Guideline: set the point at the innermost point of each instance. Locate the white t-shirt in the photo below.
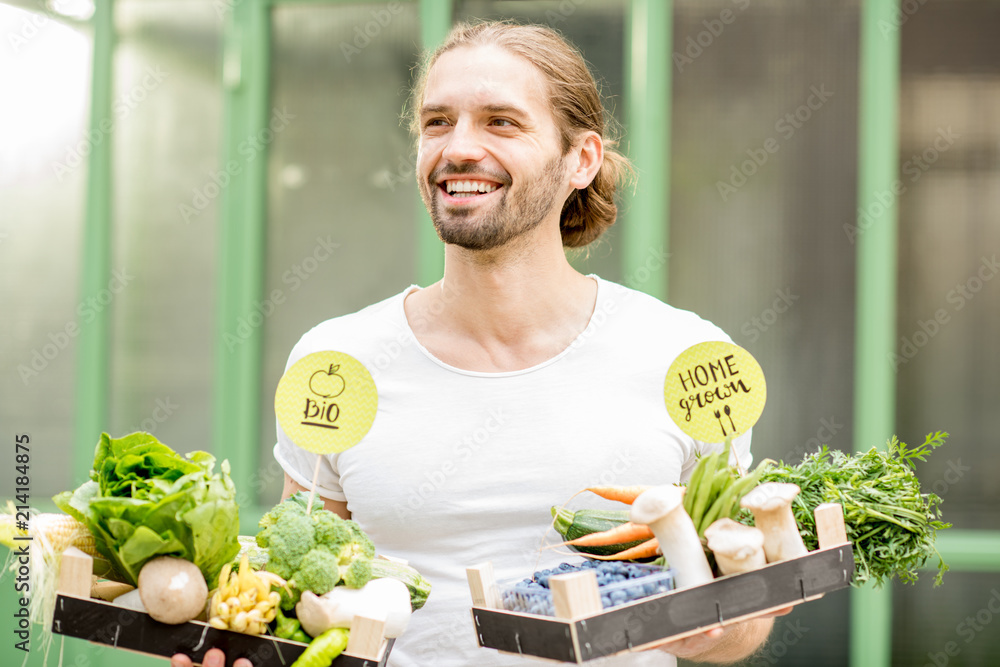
(462, 467)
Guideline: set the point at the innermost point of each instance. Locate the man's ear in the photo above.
(588, 151)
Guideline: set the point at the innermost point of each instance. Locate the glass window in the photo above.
(763, 178)
(342, 192)
(166, 139)
(949, 309)
(45, 75)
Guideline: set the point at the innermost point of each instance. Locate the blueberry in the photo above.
(605, 601)
(618, 597)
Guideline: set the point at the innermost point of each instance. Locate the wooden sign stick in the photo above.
(312, 487)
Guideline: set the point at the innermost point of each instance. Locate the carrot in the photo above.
(647, 549)
(627, 532)
(624, 494)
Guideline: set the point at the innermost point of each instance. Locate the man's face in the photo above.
(489, 165)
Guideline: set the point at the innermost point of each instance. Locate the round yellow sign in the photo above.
(714, 390)
(326, 402)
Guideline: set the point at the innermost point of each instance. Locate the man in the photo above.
(515, 381)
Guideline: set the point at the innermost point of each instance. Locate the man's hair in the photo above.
(576, 104)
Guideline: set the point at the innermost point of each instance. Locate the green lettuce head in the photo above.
(145, 500)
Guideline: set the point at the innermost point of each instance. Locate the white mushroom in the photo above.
(737, 548)
(662, 509)
(173, 590)
(771, 505)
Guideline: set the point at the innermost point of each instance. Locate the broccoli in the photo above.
(357, 573)
(361, 545)
(319, 572)
(314, 551)
(331, 529)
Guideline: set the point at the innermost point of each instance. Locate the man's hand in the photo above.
(213, 658)
(727, 644)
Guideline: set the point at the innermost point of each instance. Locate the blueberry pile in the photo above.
(617, 583)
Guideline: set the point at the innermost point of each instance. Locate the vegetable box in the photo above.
(582, 631)
(78, 614)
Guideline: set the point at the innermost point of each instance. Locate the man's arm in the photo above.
(336, 506)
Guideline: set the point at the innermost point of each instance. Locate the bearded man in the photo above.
(515, 380)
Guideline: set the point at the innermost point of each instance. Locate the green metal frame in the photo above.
(93, 357)
(242, 241)
(243, 228)
(875, 325)
(648, 44)
(435, 21)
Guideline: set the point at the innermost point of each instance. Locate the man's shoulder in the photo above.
(357, 333)
(645, 315)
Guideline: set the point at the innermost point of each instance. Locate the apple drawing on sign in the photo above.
(327, 383)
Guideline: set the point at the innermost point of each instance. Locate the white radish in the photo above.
(172, 590)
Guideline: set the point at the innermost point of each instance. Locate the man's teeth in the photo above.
(469, 188)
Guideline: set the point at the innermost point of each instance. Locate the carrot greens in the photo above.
(891, 524)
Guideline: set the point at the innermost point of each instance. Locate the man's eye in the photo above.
(436, 122)
(502, 122)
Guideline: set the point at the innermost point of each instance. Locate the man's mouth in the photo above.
(467, 189)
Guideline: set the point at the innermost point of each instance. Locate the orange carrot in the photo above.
(627, 532)
(647, 549)
(624, 494)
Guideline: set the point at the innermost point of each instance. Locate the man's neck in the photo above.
(504, 310)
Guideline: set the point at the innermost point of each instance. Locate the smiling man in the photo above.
(515, 380)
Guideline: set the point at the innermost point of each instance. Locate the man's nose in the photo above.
(464, 144)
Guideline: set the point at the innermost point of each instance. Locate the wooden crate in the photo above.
(582, 631)
(77, 614)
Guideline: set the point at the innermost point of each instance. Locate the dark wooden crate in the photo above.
(81, 616)
(580, 637)
(104, 623)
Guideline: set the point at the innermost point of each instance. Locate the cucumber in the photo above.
(418, 586)
(572, 525)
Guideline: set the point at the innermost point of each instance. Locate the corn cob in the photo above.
(244, 601)
(54, 532)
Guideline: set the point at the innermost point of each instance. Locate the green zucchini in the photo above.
(418, 586)
(571, 525)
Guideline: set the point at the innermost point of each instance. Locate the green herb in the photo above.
(891, 524)
(145, 500)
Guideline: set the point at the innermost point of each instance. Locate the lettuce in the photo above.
(145, 500)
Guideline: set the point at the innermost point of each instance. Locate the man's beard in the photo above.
(513, 216)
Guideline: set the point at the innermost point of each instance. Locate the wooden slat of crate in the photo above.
(525, 634)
